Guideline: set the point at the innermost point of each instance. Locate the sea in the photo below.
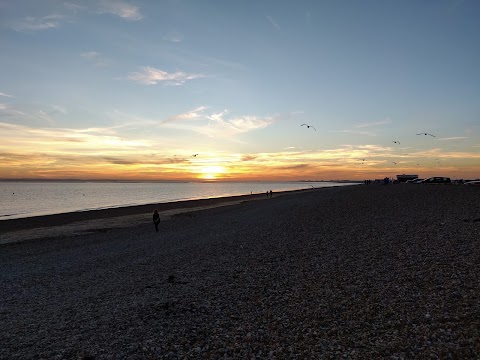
(26, 199)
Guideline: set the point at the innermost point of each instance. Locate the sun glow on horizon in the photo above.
(212, 172)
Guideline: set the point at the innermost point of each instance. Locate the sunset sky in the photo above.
(204, 90)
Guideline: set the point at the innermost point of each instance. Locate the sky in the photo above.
(247, 90)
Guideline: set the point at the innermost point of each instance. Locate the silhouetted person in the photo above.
(271, 194)
(156, 219)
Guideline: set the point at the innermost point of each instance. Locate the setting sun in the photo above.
(211, 172)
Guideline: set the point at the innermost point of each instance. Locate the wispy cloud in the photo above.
(59, 109)
(31, 23)
(118, 8)
(353, 131)
(360, 129)
(73, 7)
(6, 95)
(248, 157)
(152, 76)
(87, 139)
(49, 113)
(121, 9)
(46, 113)
(196, 113)
(173, 36)
(376, 123)
(8, 110)
(90, 55)
(441, 153)
(355, 152)
(217, 124)
(44, 116)
(220, 126)
(454, 138)
(273, 22)
(292, 167)
(95, 58)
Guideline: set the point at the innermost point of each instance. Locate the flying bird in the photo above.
(427, 134)
(194, 155)
(394, 162)
(396, 142)
(309, 126)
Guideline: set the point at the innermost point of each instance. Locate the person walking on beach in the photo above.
(156, 219)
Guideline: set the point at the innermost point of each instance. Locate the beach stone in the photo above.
(360, 272)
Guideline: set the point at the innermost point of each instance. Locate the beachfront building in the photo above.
(404, 177)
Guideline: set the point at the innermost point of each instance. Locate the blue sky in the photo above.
(133, 89)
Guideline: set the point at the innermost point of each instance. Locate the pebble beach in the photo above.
(354, 272)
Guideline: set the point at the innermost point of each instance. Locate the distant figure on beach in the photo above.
(271, 193)
(156, 219)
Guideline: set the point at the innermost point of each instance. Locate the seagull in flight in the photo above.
(394, 162)
(427, 134)
(309, 126)
(194, 155)
(396, 142)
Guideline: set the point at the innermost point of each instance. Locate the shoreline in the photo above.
(23, 217)
(54, 225)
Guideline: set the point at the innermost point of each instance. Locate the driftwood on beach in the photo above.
(358, 272)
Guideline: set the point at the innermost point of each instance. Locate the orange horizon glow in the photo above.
(104, 154)
(229, 172)
(86, 155)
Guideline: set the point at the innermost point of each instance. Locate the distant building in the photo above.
(403, 177)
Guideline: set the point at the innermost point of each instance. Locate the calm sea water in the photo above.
(25, 199)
